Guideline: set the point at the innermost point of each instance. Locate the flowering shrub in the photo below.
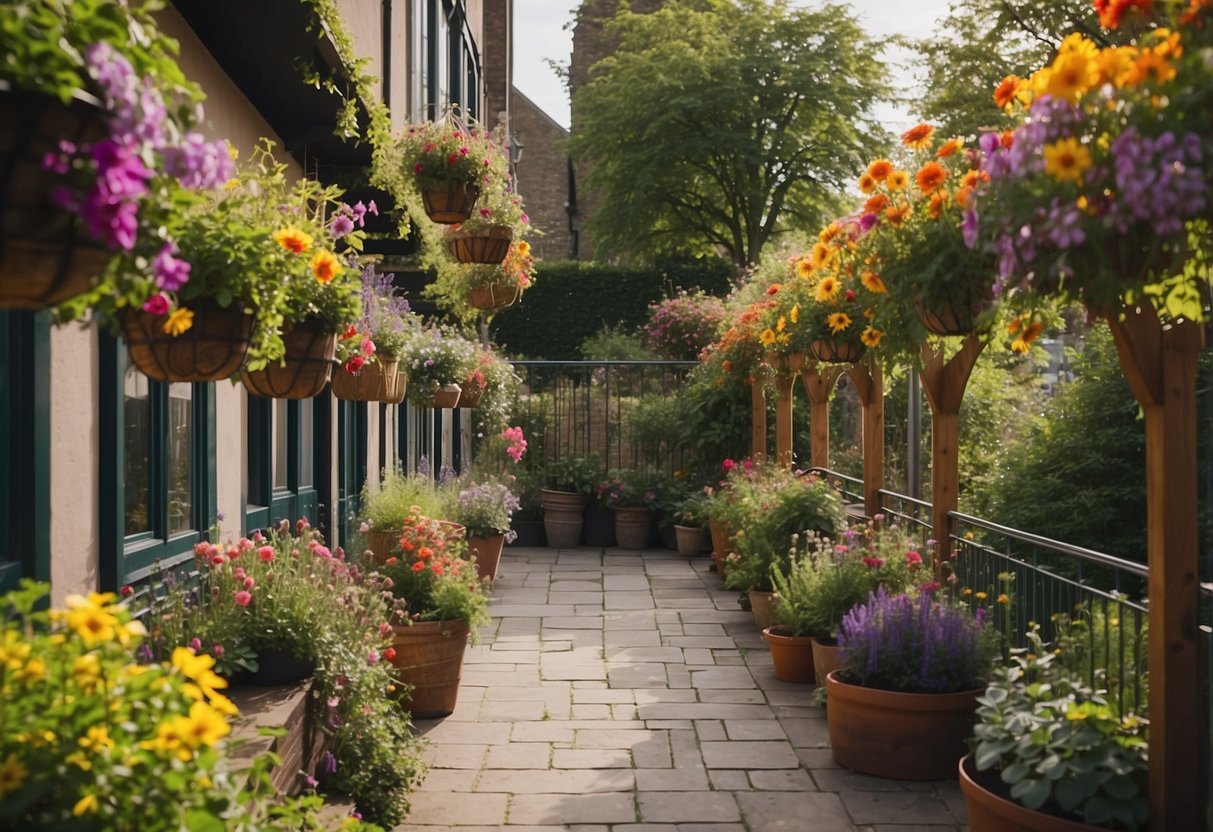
(386, 508)
(486, 508)
(681, 327)
(630, 488)
(516, 446)
(914, 644)
(91, 739)
(434, 357)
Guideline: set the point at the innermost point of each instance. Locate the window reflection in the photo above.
(136, 474)
(180, 439)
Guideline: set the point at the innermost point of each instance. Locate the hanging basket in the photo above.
(396, 387)
(471, 395)
(955, 317)
(46, 256)
(791, 363)
(450, 205)
(836, 352)
(496, 296)
(304, 369)
(447, 396)
(482, 245)
(374, 382)
(213, 348)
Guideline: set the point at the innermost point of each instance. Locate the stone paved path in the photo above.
(626, 692)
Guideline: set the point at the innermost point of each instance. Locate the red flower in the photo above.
(389, 653)
(266, 553)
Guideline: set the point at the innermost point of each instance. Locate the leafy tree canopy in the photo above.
(717, 124)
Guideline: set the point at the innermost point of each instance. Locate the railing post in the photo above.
(869, 384)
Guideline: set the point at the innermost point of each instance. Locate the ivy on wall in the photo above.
(571, 301)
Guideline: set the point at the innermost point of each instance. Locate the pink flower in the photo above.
(372, 657)
(243, 598)
(874, 563)
(249, 583)
(728, 465)
(913, 558)
(156, 305)
(217, 560)
(266, 553)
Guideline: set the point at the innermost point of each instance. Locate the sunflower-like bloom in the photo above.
(292, 239)
(838, 322)
(871, 337)
(918, 136)
(325, 266)
(828, 288)
(930, 177)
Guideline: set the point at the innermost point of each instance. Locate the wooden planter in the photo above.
(989, 812)
(496, 296)
(762, 607)
(482, 245)
(305, 367)
(429, 659)
(791, 655)
(383, 544)
(836, 352)
(450, 205)
(210, 350)
(377, 381)
(488, 554)
(46, 256)
(632, 526)
(563, 517)
(904, 736)
(689, 540)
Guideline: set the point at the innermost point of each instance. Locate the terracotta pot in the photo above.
(482, 245)
(791, 655)
(452, 204)
(905, 736)
(836, 352)
(563, 513)
(447, 396)
(383, 544)
(488, 554)
(956, 317)
(632, 525)
(429, 658)
(46, 256)
(598, 526)
(762, 607)
(211, 350)
(304, 369)
(496, 296)
(690, 540)
(722, 537)
(989, 812)
(375, 382)
(826, 659)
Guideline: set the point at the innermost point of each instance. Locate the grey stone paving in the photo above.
(626, 692)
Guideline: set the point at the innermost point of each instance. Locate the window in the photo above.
(445, 62)
(280, 482)
(157, 469)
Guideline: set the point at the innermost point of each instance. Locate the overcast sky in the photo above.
(540, 34)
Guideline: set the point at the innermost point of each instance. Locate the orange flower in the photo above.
(325, 266)
(898, 180)
(867, 184)
(829, 232)
(875, 204)
(292, 239)
(872, 282)
(935, 207)
(1007, 139)
(949, 147)
(1006, 91)
(918, 136)
(930, 177)
(1195, 7)
(773, 289)
(897, 214)
(1150, 66)
(880, 169)
(1111, 12)
(964, 196)
(1015, 325)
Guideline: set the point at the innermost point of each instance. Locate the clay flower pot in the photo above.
(632, 525)
(429, 659)
(689, 540)
(762, 607)
(791, 655)
(488, 554)
(990, 812)
(563, 513)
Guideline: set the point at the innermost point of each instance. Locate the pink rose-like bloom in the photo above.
(245, 544)
(258, 537)
(156, 305)
(913, 557)
(249, 583)
(266, 553)
(243, 598)
(728, 465)
(372, 657)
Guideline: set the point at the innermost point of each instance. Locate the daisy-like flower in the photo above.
(1066, 160)
(804, 268)
(898, 180)
(829, 233)
(949, 147)
(930, 177)
(867, 184)
(918, 136)
(292, 239)
(1006, 91)
(872, 282)
(876, 204)
(838, 322)
(828, 288)
(935, 206)
(871, 337)
(179, 321)
(880, 170)
(767, 337)
(821, 255)
(895, 215)
(325, 266)
(1071, 75)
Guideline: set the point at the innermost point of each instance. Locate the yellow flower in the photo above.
(88, 803)
(90, 619)
(794, 315)
(231, 184)
(179, 320)
(34, 670)
(981, 596)
(79, 760)
(767, 337)
(867, 184)
(232, 152)
(1115, 65)
(838, 322)
(898, 180)
(871, 337)
(325, 266)
(292, 239)
(803, 267)
(1020, 346)
(523, 248)
(12, 774)
(828, 288)
(204, 726)
(822, 255)
(96, 738)
(918, 136)
(1072, 74)
(1003, 598)
(781, 324)
(1066, 160)
(829, 232)
(198, 669)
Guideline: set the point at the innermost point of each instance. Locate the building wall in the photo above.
(543, 178)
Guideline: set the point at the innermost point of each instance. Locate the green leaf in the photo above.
(1031, 793)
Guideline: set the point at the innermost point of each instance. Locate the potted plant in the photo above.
(437, 359)
(440, 603)
(691, 522)
(631, 494)
(485, 508)
(98, 134)
(386, 506)
(370, 350)
(491, 288)
(449, 162)
(1053, 751)
(568, 482)
(486, 235)
(903, 703)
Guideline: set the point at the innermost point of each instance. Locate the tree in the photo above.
(717, 124)
(980, 42)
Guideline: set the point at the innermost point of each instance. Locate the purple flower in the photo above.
(328, 763)
(171, 273)
(199, 164)
(341, 225)
(867, 222)
(970, 227)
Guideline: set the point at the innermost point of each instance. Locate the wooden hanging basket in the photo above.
(377, 381)
(836, 352)
(213, 348)
(447, 396)
(46, 256)
(496, 296)
(304, 369)
(471, 395)
(482, 245)
(451, 205)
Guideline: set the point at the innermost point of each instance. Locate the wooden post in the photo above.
(758, 421)
(944, 382)
(869, 384)
(819, 381)
(783, 420)
(1159, 363)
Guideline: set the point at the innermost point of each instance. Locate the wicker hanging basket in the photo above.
(46, 257)
(304, 369)
(496, 296)
(836, 352)
(213, 348)
(450, 205)
(481, 245)
(955, 317)
(396, 387)
(375, 382)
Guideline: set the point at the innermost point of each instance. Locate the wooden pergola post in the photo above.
(758, 421)
(1159, 362)
(819, 381)
(869, 384)
(783, 420)
(944, 382)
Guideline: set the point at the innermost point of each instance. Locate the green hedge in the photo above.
(571, 301)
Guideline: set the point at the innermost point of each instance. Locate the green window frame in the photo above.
(24, 447)
(131, 558)
(352, 435)
(283, 461)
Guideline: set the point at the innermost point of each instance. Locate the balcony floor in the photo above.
(626, 692)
